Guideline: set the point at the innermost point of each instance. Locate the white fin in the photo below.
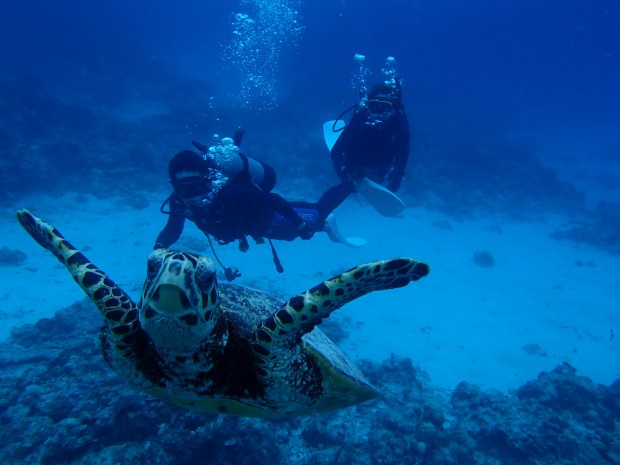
(382, 199)
(331, 228)
(328, 132)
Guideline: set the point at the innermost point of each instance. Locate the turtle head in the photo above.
(180, 302)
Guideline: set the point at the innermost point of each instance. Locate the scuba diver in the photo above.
(373, 148)
(237, 205)
(375, 143)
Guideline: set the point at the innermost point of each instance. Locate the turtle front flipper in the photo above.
(118, 309)
(300, 314)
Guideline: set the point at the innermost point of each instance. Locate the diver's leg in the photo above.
(333, 197)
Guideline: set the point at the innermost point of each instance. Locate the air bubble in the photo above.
(258, 39)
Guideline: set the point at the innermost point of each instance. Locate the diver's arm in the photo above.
(402, 153)
(280, 205)
(173, 229)
(338, 153)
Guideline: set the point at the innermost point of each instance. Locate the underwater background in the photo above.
(514, 109)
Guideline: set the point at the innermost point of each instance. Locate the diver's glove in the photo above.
(243, 244)
(231, 274)
(305, 231)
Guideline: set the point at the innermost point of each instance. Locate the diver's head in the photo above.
(188, 173)
(381, 103)
(389, 90)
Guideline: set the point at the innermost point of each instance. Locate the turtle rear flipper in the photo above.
(299, 315)
(116, 306)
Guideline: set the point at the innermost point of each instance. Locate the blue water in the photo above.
(514, 109)
(538, 73)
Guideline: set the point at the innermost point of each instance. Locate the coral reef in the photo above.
(58, 146)
(60, 404)
(601, 228)
(10, 256)
(467, 178)
(55, 146)
(484, 259)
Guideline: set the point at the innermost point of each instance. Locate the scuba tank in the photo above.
(231, 162)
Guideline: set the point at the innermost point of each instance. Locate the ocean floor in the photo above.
(539, 303)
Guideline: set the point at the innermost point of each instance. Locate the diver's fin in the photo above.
(328, 132)
(331, 228)
(382, 199)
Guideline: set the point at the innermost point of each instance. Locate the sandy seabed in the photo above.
(541, 303)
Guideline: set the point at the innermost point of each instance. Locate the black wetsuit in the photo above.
(379, 153)
(239, 210)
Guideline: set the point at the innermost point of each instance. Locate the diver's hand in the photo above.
(305, 232)
(231, 274)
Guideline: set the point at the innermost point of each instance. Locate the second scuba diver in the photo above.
(227, 195)
(375, 142)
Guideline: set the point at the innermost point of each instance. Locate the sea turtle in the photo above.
(226, 348)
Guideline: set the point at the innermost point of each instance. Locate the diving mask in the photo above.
(379, 108)
(191, 188)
